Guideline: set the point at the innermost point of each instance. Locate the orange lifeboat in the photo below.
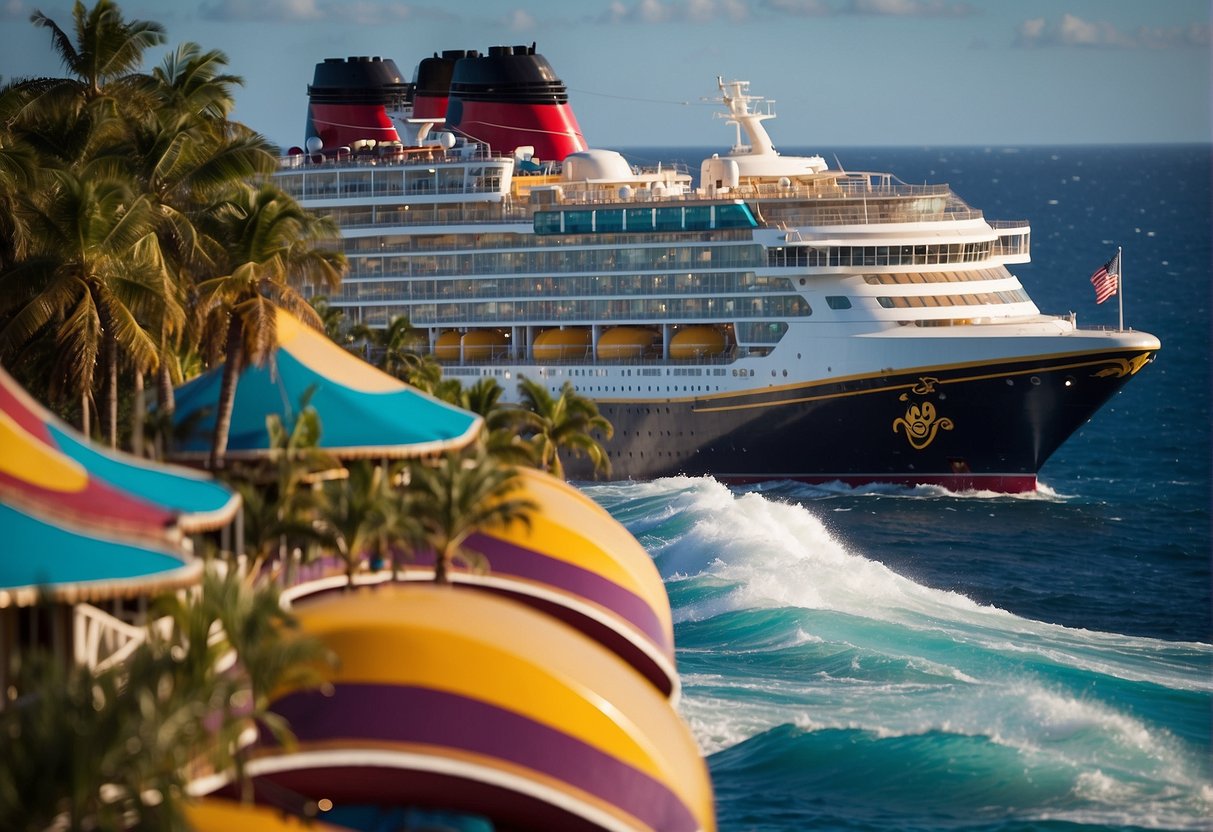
(447, 346)
(625, 342)
(558, 344)
(483, 344)
(697, 342)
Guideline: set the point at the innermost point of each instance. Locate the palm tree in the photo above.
(567, 421)
(332, 319)
(502, 423)
(96, 274)
(362, 514)
(269, 242)
(107, 48)
(112, 750)
(281, 507)
(458, 495)
(185, 154)
(394, 349)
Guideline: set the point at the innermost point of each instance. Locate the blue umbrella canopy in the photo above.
(363, 411)
(46, 555)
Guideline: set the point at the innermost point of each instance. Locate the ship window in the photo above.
(640, 219)
(669, 219)
(838, 302)
(608, 221)
(578, 222)
(547, 222)
(698, 218)
(734, 216)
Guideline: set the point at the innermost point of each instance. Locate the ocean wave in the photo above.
(799, 652)
(851, 778)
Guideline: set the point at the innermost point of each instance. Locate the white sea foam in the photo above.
(968, 669)
(774, 554)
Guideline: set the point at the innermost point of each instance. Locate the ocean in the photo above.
(913, 659)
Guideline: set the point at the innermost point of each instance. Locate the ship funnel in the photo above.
(432, 83)
(348, 101)
(509, 98)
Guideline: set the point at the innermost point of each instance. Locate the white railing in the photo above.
(103, 640)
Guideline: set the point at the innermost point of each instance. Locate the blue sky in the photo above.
(842, 72)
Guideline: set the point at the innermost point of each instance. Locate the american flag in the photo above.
(1106, 279)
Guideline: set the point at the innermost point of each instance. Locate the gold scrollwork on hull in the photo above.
(920, 422)
(1122, 367)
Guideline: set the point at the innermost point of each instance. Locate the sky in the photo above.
(641, 73)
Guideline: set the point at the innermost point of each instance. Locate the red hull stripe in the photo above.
(1000, 483)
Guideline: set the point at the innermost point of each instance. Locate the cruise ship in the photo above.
(771, 318)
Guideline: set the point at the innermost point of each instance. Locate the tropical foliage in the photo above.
(129, 232)
(566, 422)
(457, 496)
(139, 238)
(113, 750)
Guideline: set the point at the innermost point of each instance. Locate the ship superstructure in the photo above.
(771, 318)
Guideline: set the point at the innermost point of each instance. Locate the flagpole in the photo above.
(1120, 295)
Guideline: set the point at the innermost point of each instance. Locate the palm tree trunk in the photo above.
(86, 425)
(440, 562)
(137, 411)
(111, 388)
(227, 392)
(165, 397)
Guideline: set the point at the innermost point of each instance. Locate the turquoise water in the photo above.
(889, 658)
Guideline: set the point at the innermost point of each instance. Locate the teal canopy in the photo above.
(45, 555)
(363, 412)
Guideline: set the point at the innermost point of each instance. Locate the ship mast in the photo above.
(736, 97)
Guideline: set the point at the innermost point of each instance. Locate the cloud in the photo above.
(706, 11)
(368, 12)
(520, 20)
(1072, 30)
(799, 8)
(282, 10)
(677, 11)
(908, 8)
(15, 10)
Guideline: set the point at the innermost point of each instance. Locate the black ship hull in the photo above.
(987, 426)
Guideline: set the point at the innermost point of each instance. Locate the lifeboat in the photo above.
(483, 344)
(447, 346)
(558, 344)
(452, 700)
(625, 342)
(697, 342)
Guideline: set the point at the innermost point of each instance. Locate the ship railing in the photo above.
(344, 157)
(571, 356)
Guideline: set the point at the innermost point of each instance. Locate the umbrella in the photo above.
(49, 464)
(48, 556)
(364, 412)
